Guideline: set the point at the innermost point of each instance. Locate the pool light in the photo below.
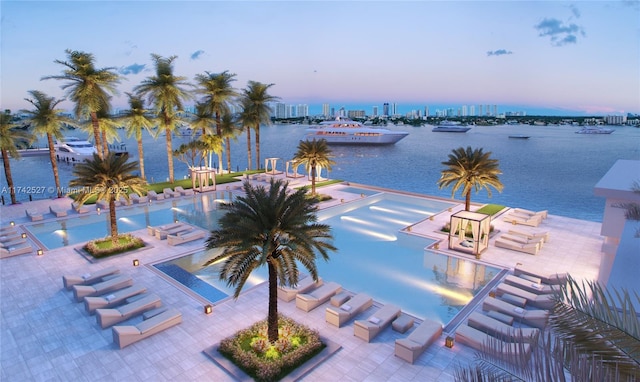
(12, 223)
(40, 252)
(449, 341)
(136, 262)
(208, 309)
(24, 235)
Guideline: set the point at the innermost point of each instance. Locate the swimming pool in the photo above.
(373, 257)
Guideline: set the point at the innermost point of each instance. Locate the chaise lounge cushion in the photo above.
(91, 303)
(338, 316)
(88, 278)
(306, 284)
(126, 335)
(410, 348)
(115, 283)
(109, 317)
(478, 340)
(501, 330)
(535, 317)
(311, 300)
(368, 329)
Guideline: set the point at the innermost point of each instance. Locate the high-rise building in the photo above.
(480, 111)
(325, 110)
(464, 110)
(355, 114)
(472, 110)
(495, 110)
(394, 109)
(426, 111)
(385, 109)
(488, 110)
(375, 111)
(302, 110)
(280, 110)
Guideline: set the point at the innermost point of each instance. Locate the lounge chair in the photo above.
(57, 211)
(530, 235)
(311, 300)
(498, 329)
(112, 316)
(10, 236)
(368, 329)
(112, 284)
(185, 236)
(88, 278)
(532, 248)
(79, 208)
(476, 339)
(33, 214)
(169, 193)
(536, 318)
(152, 230)
(20, 249)
(543, 214)
(410, 348)
(306, 284)
(8, 228)
(152, 195)
(182, 191)
(518, 219)
(137, 199)
(338, 316)
(542, 301)
(152, 324)
(103, 204)
(555, 279)
(161, 234)
(13, 242)
(527, 285)
(116, 298)
(522, 240)
(123, 201)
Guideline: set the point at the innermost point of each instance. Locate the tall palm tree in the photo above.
(48, 121)
(108, 179)
(11, 138)
(247, 119)
(88, 87)
(214, 144)
(273, 228)
(136, 119)
(108, 130)
(204, 120)
(314, 154)
(256, 99)
(218, 93)
(166, 92)
(228, 130)
(469, 169)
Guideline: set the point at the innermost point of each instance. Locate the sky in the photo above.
(545, 57)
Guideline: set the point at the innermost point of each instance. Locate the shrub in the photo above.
(103, 247)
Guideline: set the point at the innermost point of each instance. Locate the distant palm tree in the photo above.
(108, 179)
(137, 119)
(255, 102)
(204, 120)
(166, 92)
(470, 169)
(214, 144)
(229, 130)
(273, 228)
(11, 139)
(218, 93)
(88, 87)
(108, 130)
(48, 121)
(247, 119)
(314, 154)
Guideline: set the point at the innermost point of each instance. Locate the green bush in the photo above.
(101, 248)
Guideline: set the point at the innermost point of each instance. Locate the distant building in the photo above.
(302, 110)
(280, 110)
(426, 111)
(472, 111)
(325, 110)
(385, 109)
(394, 109)
(355, 114)
(615, 119)
(375, 111)
(480, 111)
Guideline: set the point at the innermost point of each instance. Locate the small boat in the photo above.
(594, 130)
(450, 127)
(519, 136)
(73, 149)
(344, 131)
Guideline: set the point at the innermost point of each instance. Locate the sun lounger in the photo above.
(110, 317)
(555, 279)
(532, 248)
(182, 191)
(79, 208)
(518, 219)
(527, 285)
(126, 335)
(103, 204)
(123, 201)
(311, 300)
(368, 329)
(152, 195)
(498, 329)
(161, 234)
(410, 348)
(110, 300)
(20, 249)
(338, 316)
(536, 318)
(185, 237)
(16, 241)
(543, 214)
(542, 301)
(530, 235)
(10, 236)
(152, 230)
(522, 240)
(137, 199)
(306, 284)
(112, 284)
(33, 214)
(88, 278)
(8, 228)
(476, 339)
(57, 211)
(169, 193)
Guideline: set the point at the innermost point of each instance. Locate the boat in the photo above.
(450, 127)
(344, 131)
(595, 130)
(519, 136)
(73, 149)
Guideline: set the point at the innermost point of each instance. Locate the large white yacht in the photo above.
(344, 131)
(450, 127)
(595, 130)
(73, 149)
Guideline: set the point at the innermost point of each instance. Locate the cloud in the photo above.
(499, 52)
(131, 69)
(559, 33)
(196, 55)
(575, 11)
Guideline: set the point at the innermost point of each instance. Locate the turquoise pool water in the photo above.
(373, 257)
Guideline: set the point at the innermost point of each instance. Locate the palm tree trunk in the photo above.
(105, 146)
(228, 150)
(220, 162)
(112, 220)
(96, 134)
(141, 155)
(54, 164)
(7, 173)
(272, 317)
(170, 155)
(258, 146)
(467, 201)
(313, 179)
(249, 147)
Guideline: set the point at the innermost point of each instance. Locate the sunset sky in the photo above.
(569, 58)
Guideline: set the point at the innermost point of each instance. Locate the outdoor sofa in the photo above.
(338, 316)
(410, 348)
(305, 284)
(311, 300)
(368, 329)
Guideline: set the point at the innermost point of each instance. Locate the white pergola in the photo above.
(270, 166)
(479, 225)
(203, 175)
(292, 169)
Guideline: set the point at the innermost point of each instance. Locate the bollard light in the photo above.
(208, 309)
(40, 252)
(24, 235)
(449, 341)
(136, 262)
(12, 223)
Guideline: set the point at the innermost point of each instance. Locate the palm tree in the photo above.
(108, 179)
(214, 143)
(218, 93)
(470, 169)
(48, 121)
(135, 120)
(247, 119)
(88, 87)
(11, 138)
(203, 119)
(274, 228)
(108, 130)
(255, 102)
(166, 92)
(314, 154)
(228, 130)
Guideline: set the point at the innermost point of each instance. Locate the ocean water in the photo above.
(554, 170)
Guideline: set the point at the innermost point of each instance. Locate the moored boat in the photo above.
(344, 131)
(450, 127)
(595, 130)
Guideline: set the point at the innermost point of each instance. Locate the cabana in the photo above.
(203, 174)
(469, 232)
(270, 166)
(292, 169)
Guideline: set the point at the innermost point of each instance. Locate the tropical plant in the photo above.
(203, 119)
(229, 130)
(88, 87)
(274, 228)
(136, 119)
(314, 154)
(11, 139)
(218, 94)
(192, 153)
(469, 169)
(213, 144)
(108, 130)
(48, 121)
(166, 92)
(256, 111)
(107, 179)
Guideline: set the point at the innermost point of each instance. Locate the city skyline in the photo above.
(552, 58)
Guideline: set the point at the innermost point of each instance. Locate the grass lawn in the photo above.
(101, 248)
(490, 209)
